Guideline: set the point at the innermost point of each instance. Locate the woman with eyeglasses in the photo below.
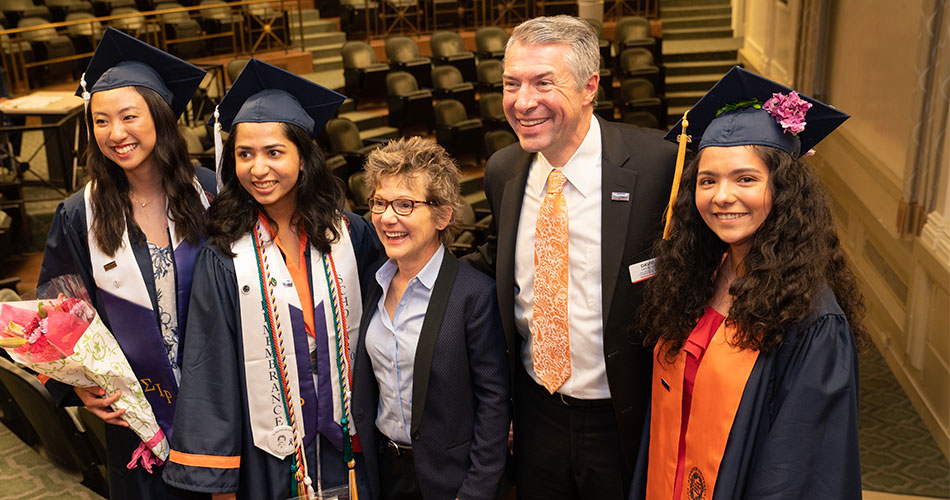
(264, 406)
(430, 381)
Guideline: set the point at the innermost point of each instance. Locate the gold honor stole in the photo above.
(717, 390)
(270, 430)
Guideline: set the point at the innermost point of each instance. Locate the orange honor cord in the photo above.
(682, 139)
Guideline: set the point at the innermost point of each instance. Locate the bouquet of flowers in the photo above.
(64, 339)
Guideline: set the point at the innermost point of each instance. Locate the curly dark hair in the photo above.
(110, 186)
(319, 197)
(792, 257)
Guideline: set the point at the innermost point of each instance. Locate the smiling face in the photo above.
(542, 102)
(733, 194)
(267, 164)
(123, 127)
(412, 239)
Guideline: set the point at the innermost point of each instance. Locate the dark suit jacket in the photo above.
(634, 162)
(460, 388)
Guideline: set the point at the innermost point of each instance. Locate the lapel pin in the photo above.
(110, 266)
(619, 196)
(666, 385)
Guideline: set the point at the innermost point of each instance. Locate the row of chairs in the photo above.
(365, 76)
(47, 43)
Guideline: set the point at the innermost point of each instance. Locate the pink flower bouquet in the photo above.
(64, 339)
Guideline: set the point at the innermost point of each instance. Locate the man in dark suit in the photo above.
(576, 206)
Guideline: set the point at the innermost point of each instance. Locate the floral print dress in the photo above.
(163, 268)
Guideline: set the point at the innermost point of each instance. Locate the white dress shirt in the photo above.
(391, 345)
(582, 192)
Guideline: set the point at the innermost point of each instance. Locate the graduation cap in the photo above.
(746, 109)
(266, 93)
(122, 61)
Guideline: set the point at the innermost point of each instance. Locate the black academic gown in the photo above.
(67, 252)
(212, 413)
(795, 434)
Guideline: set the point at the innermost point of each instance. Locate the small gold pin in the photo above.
(110, 266)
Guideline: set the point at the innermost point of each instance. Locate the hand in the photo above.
(511, 438)
(223, 496)
(100, 405)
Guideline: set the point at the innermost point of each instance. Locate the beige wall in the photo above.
(871, 73)
(871, 69)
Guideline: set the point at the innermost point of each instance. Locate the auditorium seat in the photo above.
(639, 63)
(634, 31)
(455, 131)
(490, 73)
(181, 25)
(344, 138)
(492, 112)
(490, 42)
(47, 44)
(448, 49)
(638, 94)
(363, 76)
(403, 55)
(447, 84)
(59, 9)
(408, 105)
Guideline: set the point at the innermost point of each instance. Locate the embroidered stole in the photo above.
(132, 319)
(717, 391)
(317, 402)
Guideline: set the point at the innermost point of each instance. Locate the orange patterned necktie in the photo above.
(550, 338)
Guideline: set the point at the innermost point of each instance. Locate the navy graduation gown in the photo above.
(67, 252)
(212, 418)
(795, 434)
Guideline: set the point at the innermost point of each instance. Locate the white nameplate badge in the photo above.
(642, 270)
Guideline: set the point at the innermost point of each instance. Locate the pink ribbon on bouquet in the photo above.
(143, 454)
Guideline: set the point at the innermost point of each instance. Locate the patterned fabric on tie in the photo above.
(550, 337)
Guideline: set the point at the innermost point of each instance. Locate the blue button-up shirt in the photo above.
(391, 344)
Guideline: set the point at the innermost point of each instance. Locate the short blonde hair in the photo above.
(415, 156)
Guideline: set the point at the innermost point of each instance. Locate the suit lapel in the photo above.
(511, 202)
(615, 214)
(425, 349)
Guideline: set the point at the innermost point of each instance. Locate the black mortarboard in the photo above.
(732, 114)
(266, 93)
(123, 61)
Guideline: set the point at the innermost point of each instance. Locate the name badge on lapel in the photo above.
(642, 270)
(619, 196)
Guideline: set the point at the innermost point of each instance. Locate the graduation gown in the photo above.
(67, 252)
(212, 431)
(795, 431)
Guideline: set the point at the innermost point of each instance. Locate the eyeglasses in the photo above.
(402, 206)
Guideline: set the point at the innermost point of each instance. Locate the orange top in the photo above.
(298, 274)
(717, 389)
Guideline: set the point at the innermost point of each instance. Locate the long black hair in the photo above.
(319, 197)
(792, 257)
(110, 186)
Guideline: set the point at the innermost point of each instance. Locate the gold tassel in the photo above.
(354, 495)
(682, 139)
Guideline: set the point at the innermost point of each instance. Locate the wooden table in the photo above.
(60, 113)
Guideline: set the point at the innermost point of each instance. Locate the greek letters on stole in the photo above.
(129, 310)
(315, 399)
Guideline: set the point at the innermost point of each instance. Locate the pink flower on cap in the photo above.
(789, 111)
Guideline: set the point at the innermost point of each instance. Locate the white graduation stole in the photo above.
(271, 432)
